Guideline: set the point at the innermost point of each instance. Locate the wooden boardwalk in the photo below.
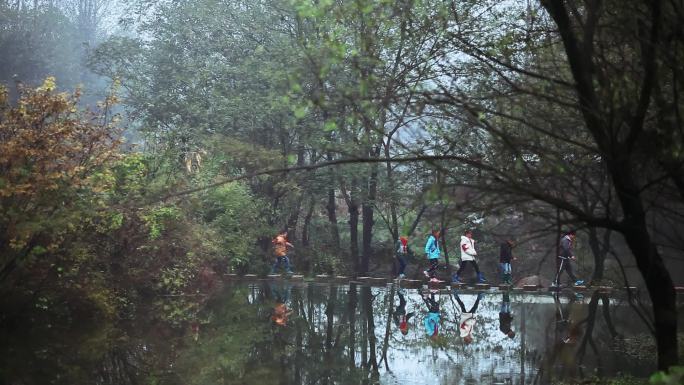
(417, 284)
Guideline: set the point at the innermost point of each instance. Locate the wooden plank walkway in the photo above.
(417, 284)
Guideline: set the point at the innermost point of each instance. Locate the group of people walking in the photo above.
(468, 253)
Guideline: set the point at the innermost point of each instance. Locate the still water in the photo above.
(279, 332)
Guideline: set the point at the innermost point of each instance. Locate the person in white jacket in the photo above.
(467, 320)
(468, 254)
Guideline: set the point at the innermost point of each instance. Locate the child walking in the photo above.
(432, 252)
(401, 254)
(505, 258)
(468, 254)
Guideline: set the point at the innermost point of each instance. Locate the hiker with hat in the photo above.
(566, 255)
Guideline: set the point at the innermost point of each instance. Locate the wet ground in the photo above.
(284, 332)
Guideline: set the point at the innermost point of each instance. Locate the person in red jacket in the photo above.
(401, 253)
(401, 318)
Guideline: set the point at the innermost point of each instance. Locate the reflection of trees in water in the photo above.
(331, 337)
(574, 332)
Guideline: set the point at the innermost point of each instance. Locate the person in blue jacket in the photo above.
(432, 252)
(431, 321)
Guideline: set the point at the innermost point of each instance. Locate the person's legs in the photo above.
(460, 303)
(506, 267)
(477, 268)
(434, 263)
(506, 305)
(477, 303)
(276, 265)
(568, 269)
(480, 276)
(402, 264)
(288, 267)
(461, 267)
(456, 278)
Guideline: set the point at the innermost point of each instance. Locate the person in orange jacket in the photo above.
(280, 248)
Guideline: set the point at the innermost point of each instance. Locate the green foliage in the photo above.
(235, 217)
(674, 376)
(157, 219)
(323, 263)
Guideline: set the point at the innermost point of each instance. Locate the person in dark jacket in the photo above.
(505, 317)
(400, 316)
(505, 258)
(566, 255)
(401, 252)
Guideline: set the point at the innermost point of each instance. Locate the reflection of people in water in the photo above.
(467, 318)
(280, 314)
(400, 317)
(280, 310)
(567, 330)
(505, 317)
(431, 321)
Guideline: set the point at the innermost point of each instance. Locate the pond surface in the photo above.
(279, 332)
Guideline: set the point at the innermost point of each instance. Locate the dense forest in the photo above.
(149, 147)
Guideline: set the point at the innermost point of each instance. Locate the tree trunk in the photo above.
(367, 298)
(352, 326)
(332, 219)
(442, 230)
(394, 225)
(307, 222)
(660, 290)
(600, 251)
(388, 329)
(415, 223)
(368, 222)
(299, 350)
(354, 226)
(522, 342)
(616, 154)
